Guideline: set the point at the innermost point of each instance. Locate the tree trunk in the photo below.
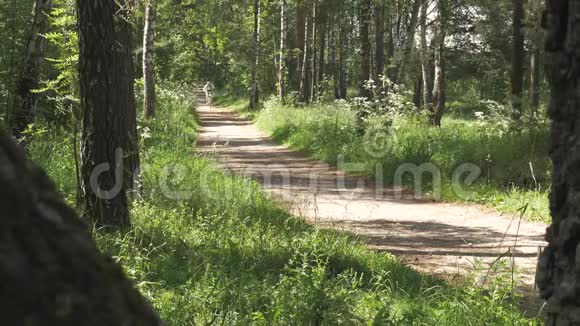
(313, 56)
(365, 42)
(558, 273)
(304, 87)
(426, 55)
(255, 91)
(282, 63)
(535, 76)
(24, 107)
(107, 103)
(517, 58)
(301, 24)
(380, 39)
(149, 98)
(409, 42)
(52, 272)
(440, 82)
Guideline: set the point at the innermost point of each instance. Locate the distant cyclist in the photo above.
(208, 90)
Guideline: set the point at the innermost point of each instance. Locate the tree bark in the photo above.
(108, 106)
(440, 82)
(255, 92)
(314, 49)
(282, 63)
(24, 107)
(558, 273)
(51, 270)
(409, 42)
(517, 58)
(426, 66)
(149, 97)
(380, 39)
(365, 69)
(304, 87)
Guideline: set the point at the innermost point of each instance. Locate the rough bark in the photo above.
(149, 97)
(517, 57)
(365, 43)
(440, 82)
(107, 103)
(28, 79)
(51, 270)
(558, 274)
(254, 92)
(380, 39)
(282, 63)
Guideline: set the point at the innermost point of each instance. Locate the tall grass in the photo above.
(225, 254)
(514, 165)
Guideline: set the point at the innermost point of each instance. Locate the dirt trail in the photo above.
(439, 238)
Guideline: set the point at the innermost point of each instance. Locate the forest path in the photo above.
(443, 239)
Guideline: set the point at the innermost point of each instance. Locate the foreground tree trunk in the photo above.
(149, 98)
(51, 270)
(255, 91)
(107, 103)
(440, 80)
(558, 274)
(28, 79)
(517, 57)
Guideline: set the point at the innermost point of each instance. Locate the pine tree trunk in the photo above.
(282, 63)
(28, 79)
(107, 103)
(254, 93)
(558, 273)
(365, 69)
(535, 75)
(51, 270)
(149, 97)
(440, 82)
(517, 58)
(298, 56)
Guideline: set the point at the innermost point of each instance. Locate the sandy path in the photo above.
(439, 238)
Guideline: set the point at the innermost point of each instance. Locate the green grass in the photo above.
(328, 132)
(226, 254)
(236, 103)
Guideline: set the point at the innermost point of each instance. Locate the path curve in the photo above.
(438, 238)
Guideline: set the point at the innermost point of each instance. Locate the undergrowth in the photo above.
(209, 249)
(512, 165)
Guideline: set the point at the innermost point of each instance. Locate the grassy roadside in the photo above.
(513, 167)
(224, 253)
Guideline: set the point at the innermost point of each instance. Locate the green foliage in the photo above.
(227, 254)
(514, 162)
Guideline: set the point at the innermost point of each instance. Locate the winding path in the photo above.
(443, 239)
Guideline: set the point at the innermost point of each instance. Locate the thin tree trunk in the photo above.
(517, 58)
(380, 39)
(558, 273)
(304, 96)
(301, 24)
(439, 87)
(106, 93)
(282, 63)
(535, 75)
(254, 93)
(313, 56)
(24, 107)
(365, 69)
(409, 41)
(149, 97)
(426, 67)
